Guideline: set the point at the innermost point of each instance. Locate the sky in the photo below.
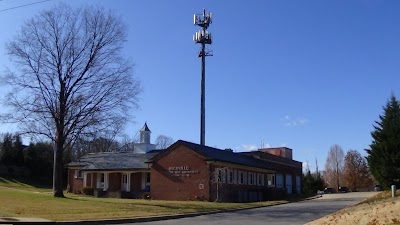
(301, 74)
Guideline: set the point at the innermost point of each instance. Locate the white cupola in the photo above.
(144, 145)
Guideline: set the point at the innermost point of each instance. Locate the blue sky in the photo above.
(301, 74)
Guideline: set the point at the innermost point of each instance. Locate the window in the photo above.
(251, 178)
(230, 176)
(124, 178)
(259, 179)
(102, 177)
(78, 174)
(271, 180)
(223, 176)
(241, 177)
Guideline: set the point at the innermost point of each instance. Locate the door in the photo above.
(100, 180)
(289, 183)
(279, 181)
(298, 185)
(124, 182)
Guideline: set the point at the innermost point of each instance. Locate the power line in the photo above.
(16, 7)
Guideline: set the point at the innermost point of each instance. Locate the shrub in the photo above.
(88, 190)
(146, 195)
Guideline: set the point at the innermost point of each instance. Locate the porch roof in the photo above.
(114, 161)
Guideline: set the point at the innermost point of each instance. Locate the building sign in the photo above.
(181, 171)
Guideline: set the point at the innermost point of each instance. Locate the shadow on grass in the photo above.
(34, 182)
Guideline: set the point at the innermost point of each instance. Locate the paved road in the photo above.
(293, 213)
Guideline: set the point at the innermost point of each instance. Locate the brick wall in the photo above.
(76, 184)
(114, 182)
(180, 175)
(136, 182)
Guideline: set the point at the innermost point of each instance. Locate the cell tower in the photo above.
(203, 37)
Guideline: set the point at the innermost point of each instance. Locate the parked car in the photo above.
(378, 187)
(329, 190)
(343, 189)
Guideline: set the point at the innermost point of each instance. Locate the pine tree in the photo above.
(384, 153)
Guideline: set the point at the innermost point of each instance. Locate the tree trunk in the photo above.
(58, 178)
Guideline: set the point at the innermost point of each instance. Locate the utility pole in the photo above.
(203, 37)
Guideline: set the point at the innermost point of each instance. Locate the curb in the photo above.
(137, 219)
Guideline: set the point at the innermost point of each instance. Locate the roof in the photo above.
(114, 161)
(145, 127)
(214, 154)
(274, 158)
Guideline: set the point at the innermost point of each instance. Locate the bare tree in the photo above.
(163, 142)
(356, 172)
(334, 166)
(72, 80)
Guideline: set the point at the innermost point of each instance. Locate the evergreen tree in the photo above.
(384, 153)
(6, 153)
(17, 151)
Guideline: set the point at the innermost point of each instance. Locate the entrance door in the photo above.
(100, 180)
(289, 183)
(124, 182)
(298, 184)
(279, 181)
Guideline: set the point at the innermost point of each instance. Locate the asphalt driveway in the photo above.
(293, 213)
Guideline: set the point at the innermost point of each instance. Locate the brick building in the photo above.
(188, 171)
(115, 173)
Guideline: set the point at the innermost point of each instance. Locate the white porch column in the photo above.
(128, 188)
(84, 178)
(105, 181)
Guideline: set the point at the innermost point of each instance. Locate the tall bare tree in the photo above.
(72, 78)
(334, 166)
(356, 172)
(163, 142)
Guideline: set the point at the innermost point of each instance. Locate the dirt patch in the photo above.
(372, 213)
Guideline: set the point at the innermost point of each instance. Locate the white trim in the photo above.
(84, 178)
(223, 172)
(271, 180)
(128, 188)
(105, 181)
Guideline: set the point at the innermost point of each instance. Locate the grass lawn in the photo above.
(21, 200)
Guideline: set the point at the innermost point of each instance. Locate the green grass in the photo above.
(18, 199)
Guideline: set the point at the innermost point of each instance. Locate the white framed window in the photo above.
(219, 176)
(230, 176)
(251, 179)
(271, 180)
(259, 179)
(223, 171)
(124, 178)
(241, 177)
(78, 174)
